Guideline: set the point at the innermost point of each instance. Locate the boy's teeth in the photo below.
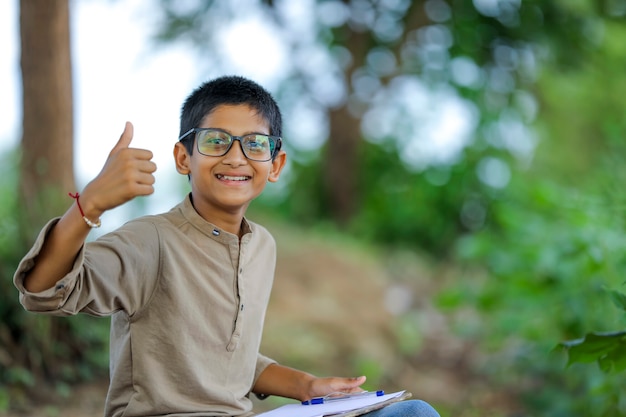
(229, 178)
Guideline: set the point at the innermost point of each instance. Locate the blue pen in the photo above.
(343, 396)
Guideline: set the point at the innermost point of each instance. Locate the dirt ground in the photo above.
(338, 309)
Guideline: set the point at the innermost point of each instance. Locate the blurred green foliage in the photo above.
(538, 276)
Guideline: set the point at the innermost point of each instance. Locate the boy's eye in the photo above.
(216, 140)
(258, 143)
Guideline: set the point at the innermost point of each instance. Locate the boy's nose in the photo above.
(235, 154)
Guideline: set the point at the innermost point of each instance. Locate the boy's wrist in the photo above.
(88, 210)
(308, 387)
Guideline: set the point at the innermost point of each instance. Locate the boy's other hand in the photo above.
(127, 173)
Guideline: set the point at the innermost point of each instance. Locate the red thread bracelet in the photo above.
(89, 222)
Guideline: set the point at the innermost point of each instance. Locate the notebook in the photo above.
(349, 407)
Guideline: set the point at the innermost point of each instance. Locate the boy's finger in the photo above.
(125, 138)
(352, 383)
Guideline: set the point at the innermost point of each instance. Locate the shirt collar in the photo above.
(208, 228)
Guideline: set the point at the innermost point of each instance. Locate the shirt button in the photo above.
(215, 232)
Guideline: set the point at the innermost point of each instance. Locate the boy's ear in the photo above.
(182, 159)
(277, 166)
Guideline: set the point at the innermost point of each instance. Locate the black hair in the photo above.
(229, 90)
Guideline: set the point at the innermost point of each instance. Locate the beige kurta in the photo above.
(187, 302)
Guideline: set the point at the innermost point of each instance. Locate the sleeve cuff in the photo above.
(51, 299)
(262, 362)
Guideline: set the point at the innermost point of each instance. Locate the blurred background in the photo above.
(450, 221)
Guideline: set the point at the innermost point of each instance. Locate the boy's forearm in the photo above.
(60, 249)
(284, 382)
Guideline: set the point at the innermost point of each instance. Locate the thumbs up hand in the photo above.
(127, 173)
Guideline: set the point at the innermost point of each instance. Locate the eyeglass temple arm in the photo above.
(279, 144)
(187, 133)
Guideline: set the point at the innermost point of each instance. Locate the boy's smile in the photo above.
(223, 186)
(230, 178)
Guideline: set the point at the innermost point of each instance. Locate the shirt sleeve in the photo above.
(262, 362)
(116, 272)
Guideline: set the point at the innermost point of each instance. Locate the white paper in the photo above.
(330, 407)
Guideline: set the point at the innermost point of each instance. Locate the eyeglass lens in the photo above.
(217, 143)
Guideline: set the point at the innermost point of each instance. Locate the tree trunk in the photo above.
(46, 173)
(342, 164)
(342, 151)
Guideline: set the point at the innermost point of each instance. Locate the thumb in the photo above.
(125, 138)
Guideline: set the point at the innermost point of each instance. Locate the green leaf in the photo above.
(614, 361)
(609, 349)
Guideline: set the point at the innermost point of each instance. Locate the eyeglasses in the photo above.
(216, 142)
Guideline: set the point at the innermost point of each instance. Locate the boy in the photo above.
(187, 290)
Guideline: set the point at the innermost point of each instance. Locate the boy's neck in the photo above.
(231, 222)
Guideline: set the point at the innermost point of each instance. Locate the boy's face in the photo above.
(227, 184)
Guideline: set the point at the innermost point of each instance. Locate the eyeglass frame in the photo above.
(277, 139)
